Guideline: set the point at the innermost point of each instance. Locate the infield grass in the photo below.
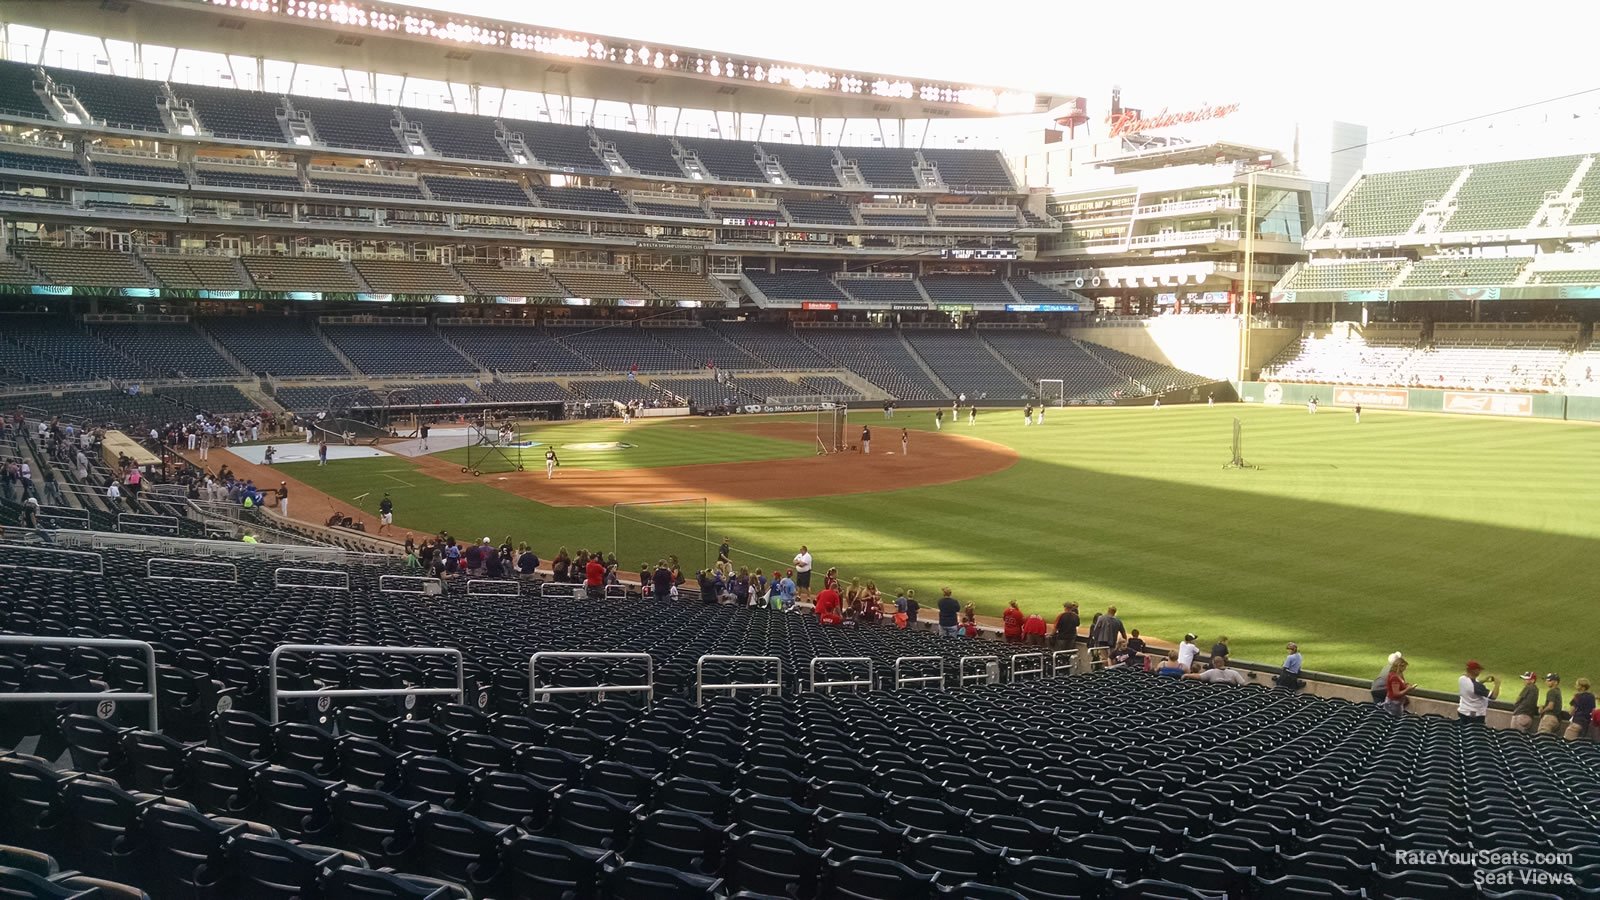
(1446, 537)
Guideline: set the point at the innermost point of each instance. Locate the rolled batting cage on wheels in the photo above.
(832, 420)
(651, 530)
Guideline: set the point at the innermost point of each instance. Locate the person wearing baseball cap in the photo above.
(1526, 706)
(1187, 651)
(1550, 714)
(1289, 678)
(1476, 694)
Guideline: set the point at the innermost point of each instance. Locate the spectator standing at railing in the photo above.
(1011, 623)
(949, 614)
(1066, 635)
(1551, 714)
(1397, 691)
(1582, 721)
(1289, 678)
(661, 581)
(1033, 630)
(1526, 707)
(1475, 694)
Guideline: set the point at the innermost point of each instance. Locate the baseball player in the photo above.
(938, 419)
(905, 442)
(385, 513)
(1027, 414)
(972, 414)
(866, 440)
(550, 463)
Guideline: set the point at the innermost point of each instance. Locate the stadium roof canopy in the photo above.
(443, 46)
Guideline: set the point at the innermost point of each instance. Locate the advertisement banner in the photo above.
(1373, 398)
(1488, 404)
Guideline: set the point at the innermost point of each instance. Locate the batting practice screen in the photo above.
(652, 530)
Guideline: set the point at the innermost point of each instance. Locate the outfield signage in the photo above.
(1132, 121)
(1488, 404)
(1375, 398)
(819, 304)
(1041, 307)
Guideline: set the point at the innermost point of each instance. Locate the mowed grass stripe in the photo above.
(1446, 537)
(656, 443)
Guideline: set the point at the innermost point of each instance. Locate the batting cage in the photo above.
(832, 420)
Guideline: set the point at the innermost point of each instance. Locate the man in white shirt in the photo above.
(113, 493)
(1475, 694)
(802, 572)
(1187, 651)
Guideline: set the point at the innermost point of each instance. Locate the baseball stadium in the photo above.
(448, 456)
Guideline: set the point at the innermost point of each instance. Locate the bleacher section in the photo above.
(278, 346)
(669, 210)
(16, 91)
(1356, 274)
(141, 171)
(805, 164)
(564, 147)
(703, 345)
(1565, 276)
(167, 349)
(824, 211)
(119, 102)
(622, 391)
(1387, 203)
(831, 387)
(1040, 354)
(404, 188)
(680, 286)
(27, 159)
(490, 191)
(701, 393)
(1588, 212)
(1033, 292)
(1486, 365)
(300, 273)
(885, 167)
(761, 387)
(726, 160)
(967, 289)
(273, 180)
(343, 123)
(458, 135)
(409, 276)
(75, 352)
(620, 348)
(877, 355)
(396, 349)
(801, 286)
(1504, 195)
(15, 271)
(970, 170)
(602, 285)
(311, 399)
(1043, 788)
(514, 349)
(882, 290)
(492, 279)
(526, 392)
(646, 154)
(1464, 271)
(196, 273)
(965, 365)
(83, 267)
(899, 218)
(589, 199)
(1155, 377)
(235, 114)
(774, 344)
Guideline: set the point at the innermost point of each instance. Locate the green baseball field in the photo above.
(1443, 537)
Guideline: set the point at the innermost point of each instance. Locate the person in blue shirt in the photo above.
(1289, 678)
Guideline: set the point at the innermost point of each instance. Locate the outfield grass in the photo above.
(1445, 537)
(664, 442)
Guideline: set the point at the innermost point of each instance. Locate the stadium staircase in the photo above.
(483, 371)
(337, 353)
(1435, 215)
(922, 363)
(1557, 209)
(1124, 376)
(1003, 361)
(228, 356)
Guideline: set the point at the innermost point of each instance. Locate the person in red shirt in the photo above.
(1012, 619)
(594, 577)
(828, 605)
(1033, 630)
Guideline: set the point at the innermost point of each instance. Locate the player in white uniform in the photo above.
(550, 463)
(905, 442)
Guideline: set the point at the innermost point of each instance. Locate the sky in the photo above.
(1393, 65)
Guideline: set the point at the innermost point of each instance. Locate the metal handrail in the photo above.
(869, 683)
(100, 563)
(166, 523)
(537, 693)
(489, 584)
(1055, 662)
(1036, 670)
(274, 695)
(148, 695)
(901, 680)
(986, 676)
(150, 567)
(700, 686)
(277, 579)
(421, 582)
(563, 590)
